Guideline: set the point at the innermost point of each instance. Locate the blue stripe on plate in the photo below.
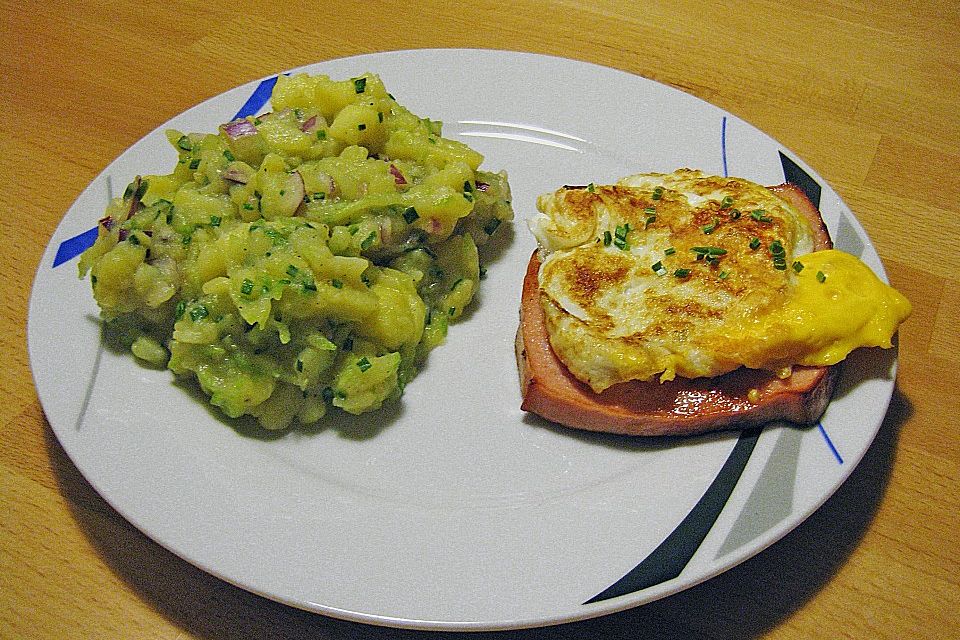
(257, 99)
(668, 560)
(73, 247)
(833, 449)
(723, 145)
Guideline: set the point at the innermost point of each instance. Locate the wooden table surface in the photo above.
(866, 93)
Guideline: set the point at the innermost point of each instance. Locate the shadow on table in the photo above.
(743, 602)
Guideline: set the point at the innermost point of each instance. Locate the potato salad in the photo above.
(301, 260)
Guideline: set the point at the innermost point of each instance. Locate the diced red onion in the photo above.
(107, 222)
(397, 175)
(309, 125)
(293, 193)
(386, 229)
(123, 234)
(239, 129)
(134, 200)
(236, 174)
(482, 186)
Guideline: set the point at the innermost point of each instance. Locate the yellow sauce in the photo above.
(838, 305)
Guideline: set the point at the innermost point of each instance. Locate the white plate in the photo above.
(454, 510)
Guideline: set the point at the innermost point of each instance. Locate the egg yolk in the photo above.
(838, 305)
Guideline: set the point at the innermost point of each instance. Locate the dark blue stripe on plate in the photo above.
(793, 174)
(73, 247)
(669, 559)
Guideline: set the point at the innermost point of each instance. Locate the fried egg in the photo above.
(685, 274)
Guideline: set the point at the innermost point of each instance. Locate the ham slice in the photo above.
(739, 399)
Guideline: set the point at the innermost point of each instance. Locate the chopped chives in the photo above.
(491, 226)
(198, 313)
(797, 266)
(682, 273)
(141, 189)
(669, 251)
(620, 236)
(821, 276)
(363, 364)
(657, 193)
(359, 84)
(726, 203)
(246, 287)
(709, 251)
(337, 284)
(755, 243)
(607, 238)
(229, 156)
(658, 269)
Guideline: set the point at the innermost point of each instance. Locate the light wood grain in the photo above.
(867, 93)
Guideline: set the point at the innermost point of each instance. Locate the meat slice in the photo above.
(741, 398)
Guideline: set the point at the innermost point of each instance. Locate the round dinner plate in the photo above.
(453, 509)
